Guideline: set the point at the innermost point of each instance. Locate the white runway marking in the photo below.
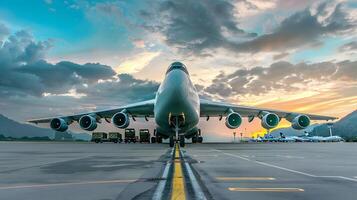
(287, 169)
(160, 188)
(196, 187)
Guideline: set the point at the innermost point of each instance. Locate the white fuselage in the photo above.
(176, 96)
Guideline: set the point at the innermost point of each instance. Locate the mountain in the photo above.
(345, 127)
(11, 128)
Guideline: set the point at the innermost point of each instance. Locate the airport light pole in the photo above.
(234, 137)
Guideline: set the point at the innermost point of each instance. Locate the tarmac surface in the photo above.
(51, 170)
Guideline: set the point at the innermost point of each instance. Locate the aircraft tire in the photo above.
(172, 142)
(200, 139)
(194, 139)
(182, 141)
(153, 139)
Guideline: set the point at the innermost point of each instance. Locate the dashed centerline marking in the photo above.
(238, 189)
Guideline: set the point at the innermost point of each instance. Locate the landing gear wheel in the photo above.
(172, 142)
(194, 139)
(158, 139)
(199, 139)
(182, 141)
(153, 139)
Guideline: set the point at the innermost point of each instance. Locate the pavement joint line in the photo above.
(196, 187)
(287, 169)
(161, 186)
(67, 184)
(47, 163)
(238, 189)
(245, 178)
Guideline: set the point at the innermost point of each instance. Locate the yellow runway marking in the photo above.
(178, 185)
(245, 178)
(65, 184)
(237, 189)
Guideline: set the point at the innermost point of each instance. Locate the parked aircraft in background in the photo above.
(177, 109)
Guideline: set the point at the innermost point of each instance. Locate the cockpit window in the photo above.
(177, 65)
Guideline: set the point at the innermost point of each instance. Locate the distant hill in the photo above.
(345, 127)
(11, 128)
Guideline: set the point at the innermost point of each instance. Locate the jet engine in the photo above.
(270, 120)
(88, 122)
(300, 122)
(233, 120)
(121, 120)
(59, 124)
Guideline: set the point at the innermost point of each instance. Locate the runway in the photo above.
(38, 170)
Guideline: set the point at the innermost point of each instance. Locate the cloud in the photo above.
(4, 31)
(194, 26)
(125, 88)
(137, 62)
(282, 76)
(350, 46)
(200, 27)
(302, 28)
(25, 72)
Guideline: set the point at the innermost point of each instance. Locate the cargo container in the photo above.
(130, 135)
(144, 135)
(115, 137)
(99, 137)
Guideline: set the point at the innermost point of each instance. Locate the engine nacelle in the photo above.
(270, 120)
(88, 123)
(121, 120)
(233, 120)
(300, 122)
(59, 124)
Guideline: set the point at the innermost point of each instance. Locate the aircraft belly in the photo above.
(174, 99)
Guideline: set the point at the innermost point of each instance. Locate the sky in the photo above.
(69, 56)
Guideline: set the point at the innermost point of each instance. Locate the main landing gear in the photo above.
(182, 141)
(172, 141)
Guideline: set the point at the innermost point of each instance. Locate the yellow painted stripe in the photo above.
(237, 189)
(245, 178)
(178, 186)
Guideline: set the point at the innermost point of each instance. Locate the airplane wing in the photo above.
(215, 109)
(140, 109)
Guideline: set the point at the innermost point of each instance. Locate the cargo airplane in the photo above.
(177, 109)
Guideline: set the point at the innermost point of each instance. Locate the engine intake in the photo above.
(270, 120)
(59, 124)
(121, 120)
(300, 122)
(233, 120)
(88, 123)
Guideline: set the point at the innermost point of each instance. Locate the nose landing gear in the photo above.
(176, 122)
